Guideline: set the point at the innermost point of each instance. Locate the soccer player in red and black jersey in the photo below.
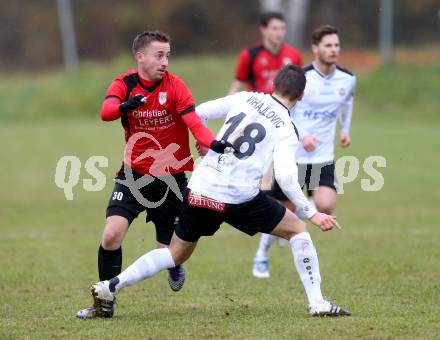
(258, 64)
(156, 110)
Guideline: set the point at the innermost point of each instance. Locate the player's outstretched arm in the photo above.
(202, 134)
(286, 174)
(214, 109)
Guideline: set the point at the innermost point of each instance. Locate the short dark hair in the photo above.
(322, 31)
(265, 18)
(143, 39)
(290, 82)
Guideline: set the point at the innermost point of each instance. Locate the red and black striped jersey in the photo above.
(257, 66)
(157, 124)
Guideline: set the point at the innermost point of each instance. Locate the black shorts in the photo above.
(261, 214)
(164, 215)
(310, 175)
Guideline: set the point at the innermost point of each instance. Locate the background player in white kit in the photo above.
(328, 96)
(226, 189)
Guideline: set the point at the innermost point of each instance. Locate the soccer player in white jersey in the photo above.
(226, 188)
(328, 96)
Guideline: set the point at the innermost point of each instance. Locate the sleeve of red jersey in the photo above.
(114, 96)
(243, 64)
(186, 109)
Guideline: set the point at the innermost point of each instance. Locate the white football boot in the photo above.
(103, 299)
(260, 269)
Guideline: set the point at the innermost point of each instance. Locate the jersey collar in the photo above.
(322, 74)
(276, 54)
(143, 83)
(288, 111)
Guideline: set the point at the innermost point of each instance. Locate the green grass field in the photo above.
(383, 266)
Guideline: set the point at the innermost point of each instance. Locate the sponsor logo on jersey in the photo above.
(149, 113)
(326, 93)
(309, 114)
(162, 98)
(341, 91)
(197, 200)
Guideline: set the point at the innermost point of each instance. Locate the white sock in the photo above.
(307, 265)
(147, 265)
(266, 241)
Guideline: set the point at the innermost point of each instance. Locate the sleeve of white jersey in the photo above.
(217, 108)
(347, 109)
(286, 174)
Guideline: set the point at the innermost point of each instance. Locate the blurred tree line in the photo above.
(30, 36)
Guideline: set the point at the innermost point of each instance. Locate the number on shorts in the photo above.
(117, 195)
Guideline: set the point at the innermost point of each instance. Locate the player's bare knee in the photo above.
(112, 238)
(114, 232)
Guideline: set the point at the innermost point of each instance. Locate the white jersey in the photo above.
(259, 127)
(326, 98)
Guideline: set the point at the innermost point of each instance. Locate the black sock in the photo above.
(109, 263)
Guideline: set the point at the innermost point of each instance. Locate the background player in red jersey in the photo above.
(156, 110)
(258, 64)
